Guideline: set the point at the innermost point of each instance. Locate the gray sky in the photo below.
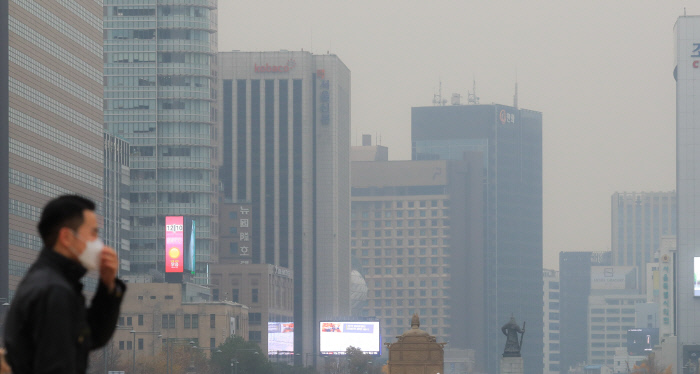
(600, 71)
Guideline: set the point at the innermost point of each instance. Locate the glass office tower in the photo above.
(160, 95)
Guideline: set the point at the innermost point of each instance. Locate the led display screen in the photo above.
(336, 337)
(280, 338)
(174, 244)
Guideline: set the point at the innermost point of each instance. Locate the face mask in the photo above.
(90, 258)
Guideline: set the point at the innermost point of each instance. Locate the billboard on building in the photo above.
(280, 338)
(696, 276)
(336, 337)
(189, 244)
(613, 278)
(641, 342)
(174, 244)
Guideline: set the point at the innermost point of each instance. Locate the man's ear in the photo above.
(65, 237)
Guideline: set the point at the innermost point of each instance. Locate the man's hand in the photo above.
(108, 267)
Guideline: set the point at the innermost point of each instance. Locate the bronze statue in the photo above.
(513, 344)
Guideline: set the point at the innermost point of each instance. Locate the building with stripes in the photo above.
(286, 150)
(51, 112)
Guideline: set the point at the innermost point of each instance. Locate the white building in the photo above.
(687, 74)
(286, 149)
(551, 320)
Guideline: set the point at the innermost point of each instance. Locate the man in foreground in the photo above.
(48, 327)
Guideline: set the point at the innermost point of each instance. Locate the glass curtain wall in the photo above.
(160, 95)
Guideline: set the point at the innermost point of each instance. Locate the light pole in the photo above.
(133, 347)
(168, 346)
(234, 362)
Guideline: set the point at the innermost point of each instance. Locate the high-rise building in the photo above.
(687, 291)
(510, 141)
(116, 228)
(51, 110)
(286, 150)
(611, 311)
(639, 220)
(160, 96)
(552, 319)
(417, 233)
(575, 283)
(368, 152)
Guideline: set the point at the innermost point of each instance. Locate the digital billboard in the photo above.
(336, 337)
(613, 278)
(640, 342)
(280, 338)
(174, 244)
(696, 276)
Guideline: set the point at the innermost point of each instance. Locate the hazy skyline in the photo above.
(600, 72)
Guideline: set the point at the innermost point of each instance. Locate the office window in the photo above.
(234, 295)
(128, 345)
(140, 319)
(121, 345)
(254, 295)
(140, 344)
(120, 321)
(212, 321)
(255, 336)
(128, 321)
(195, 321)
(187, 321)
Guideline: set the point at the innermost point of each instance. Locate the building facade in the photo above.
(286, 150)
(687, 40)
(417, 234)
(267, 291)
(575, 283)
(552, 319)
(51, 99)
(155, 315)
(510, 142)
(116, 227)
(610, 316)
(639, 220)
(160, 95)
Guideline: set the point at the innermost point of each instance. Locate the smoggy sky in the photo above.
(599, 71)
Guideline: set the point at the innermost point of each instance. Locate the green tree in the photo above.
(248, 355)
(359, 362)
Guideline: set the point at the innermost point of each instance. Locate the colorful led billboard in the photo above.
(336, 337)
(280, 338)
(174, 244)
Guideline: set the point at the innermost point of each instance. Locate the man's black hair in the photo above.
(63, 211)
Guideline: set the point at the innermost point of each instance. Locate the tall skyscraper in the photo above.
(639, 220)
(286, 149)
(575, 283)
(160, 96)
(510, 141)
(417, 233)
(687, 292)
(51, 105)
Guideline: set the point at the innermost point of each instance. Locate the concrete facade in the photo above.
(267, 290)
(117, 209)
(286, 150)
(153, 314)
(417, 237)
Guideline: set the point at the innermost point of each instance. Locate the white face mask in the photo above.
(90, 258)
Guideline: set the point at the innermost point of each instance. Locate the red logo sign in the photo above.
(267, 68)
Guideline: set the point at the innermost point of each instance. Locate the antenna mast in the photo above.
(471, 96)
(437, 99)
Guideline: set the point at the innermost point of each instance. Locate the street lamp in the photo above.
(168, 343)
(234, 361)
(133, 347)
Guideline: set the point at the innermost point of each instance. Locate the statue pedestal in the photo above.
(512, 365)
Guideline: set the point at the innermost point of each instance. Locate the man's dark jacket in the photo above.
(48, 327)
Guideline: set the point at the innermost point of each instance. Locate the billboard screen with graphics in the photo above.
(280, 338)
(174, 244)
(613, 278)
(641, 342)
(336, 337)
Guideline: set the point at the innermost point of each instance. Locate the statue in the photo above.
(513, 344)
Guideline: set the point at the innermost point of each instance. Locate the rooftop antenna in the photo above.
(437, 99)
(515, 97)
(471, 96)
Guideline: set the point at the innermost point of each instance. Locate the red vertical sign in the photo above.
(174, 247)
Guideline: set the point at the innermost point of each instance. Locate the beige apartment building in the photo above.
(154, 314)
